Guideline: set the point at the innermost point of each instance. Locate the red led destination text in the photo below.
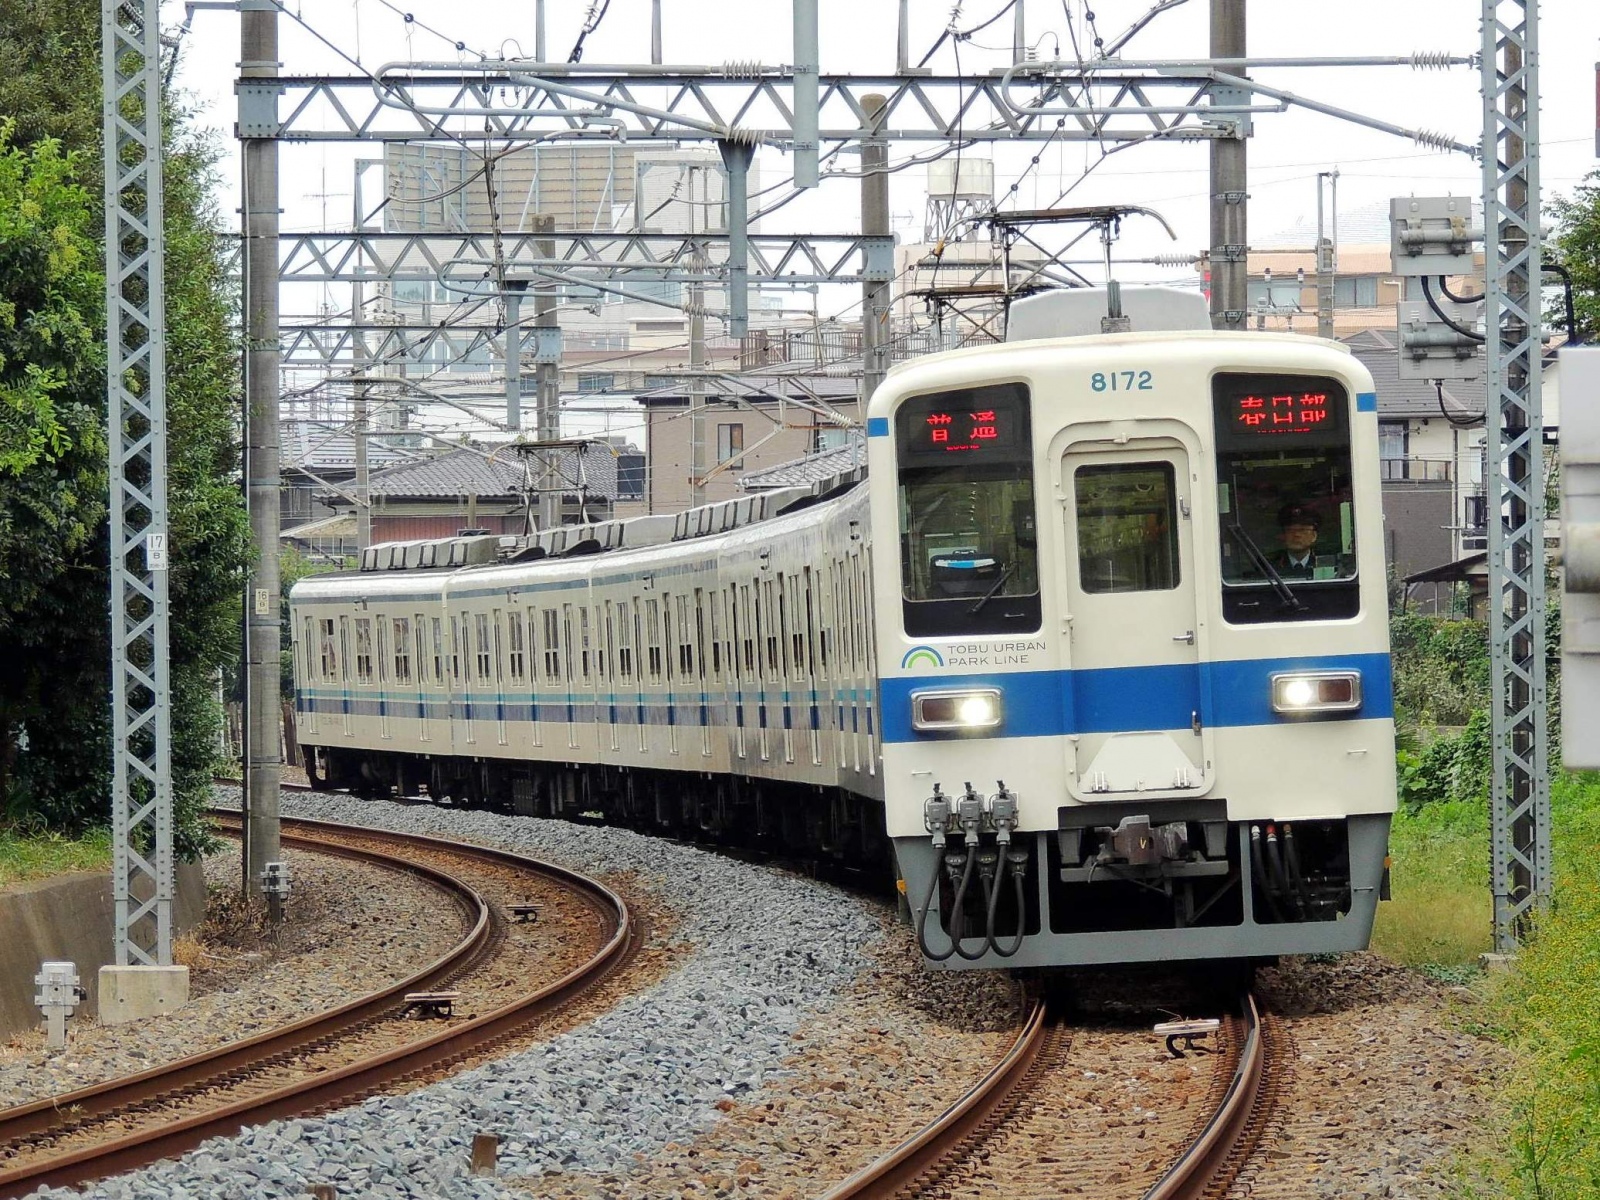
(1271, 413)
(962, 431)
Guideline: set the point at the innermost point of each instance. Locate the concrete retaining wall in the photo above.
(69, 917)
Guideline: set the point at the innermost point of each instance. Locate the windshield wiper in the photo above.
(1264, 565)
(990, 594)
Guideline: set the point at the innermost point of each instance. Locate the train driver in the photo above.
(1298, 526)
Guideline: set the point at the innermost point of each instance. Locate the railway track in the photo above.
(981, 1133)
(130, 1122)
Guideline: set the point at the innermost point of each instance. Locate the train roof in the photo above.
(579, 543)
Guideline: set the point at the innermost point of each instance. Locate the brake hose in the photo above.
(927, 909)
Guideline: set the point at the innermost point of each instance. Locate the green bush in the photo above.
(1449, 767)
(1441, 669)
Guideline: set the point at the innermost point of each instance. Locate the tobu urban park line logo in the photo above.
(918, 655)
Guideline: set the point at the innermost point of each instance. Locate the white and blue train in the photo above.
(1094, 657)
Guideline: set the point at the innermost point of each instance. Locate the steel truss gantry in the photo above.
(136, 417)
(1520, 793)
(609, 257)
(741, 102)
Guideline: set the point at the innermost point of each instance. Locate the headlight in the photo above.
(1296, 692)
(956, 709)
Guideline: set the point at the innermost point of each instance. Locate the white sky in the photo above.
(1285, 155)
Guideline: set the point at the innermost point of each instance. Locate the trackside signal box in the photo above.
(1580, 548)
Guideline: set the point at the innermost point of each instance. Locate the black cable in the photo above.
(958, 909)
(1259, 872)
(994, 905)
(927, 909)
(1427, 292)
(962, 35)
(1572, 316)
(1456, 422)
(1444, 290)
(588, 28)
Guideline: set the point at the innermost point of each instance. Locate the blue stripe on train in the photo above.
(1128, 699)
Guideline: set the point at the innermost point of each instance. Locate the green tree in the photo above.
(1577, 247)
(54, 623)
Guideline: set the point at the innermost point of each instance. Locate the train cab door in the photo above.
(1133, 624)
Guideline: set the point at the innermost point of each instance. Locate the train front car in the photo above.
(1135, 694)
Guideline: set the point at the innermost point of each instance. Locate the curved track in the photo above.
(27, 1132)
(1216, 1152)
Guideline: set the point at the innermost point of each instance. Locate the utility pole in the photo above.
(361, 363)
(141, 767)
(1230, 243)
(1519, 804)
(874, 220)
(513, 299)
(697, 361)
(1325, 263)
(549, 389)
(258, 126)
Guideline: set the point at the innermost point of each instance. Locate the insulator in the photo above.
(742, 68)
(1431, 60)
(1431, 140)
(1174, 260)
(741, 135)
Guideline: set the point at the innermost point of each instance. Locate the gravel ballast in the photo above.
(766, 949)
(795, 1036)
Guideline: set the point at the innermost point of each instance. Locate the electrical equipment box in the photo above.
(1432, 236)
(1429, 348)
(1580, 552)
(1430, 240)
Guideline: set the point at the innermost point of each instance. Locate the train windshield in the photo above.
(1284, 498)
(968, 548)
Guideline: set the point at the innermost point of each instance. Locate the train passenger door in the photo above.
(1133, 688)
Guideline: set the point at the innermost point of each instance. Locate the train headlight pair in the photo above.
(1302, 693)
(956, 710)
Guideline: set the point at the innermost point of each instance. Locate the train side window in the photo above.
(514, 646)
(622, 646)
(383, 649)
(668, 638)
(608, 641)
(652, 633)
(781, 626)
(584, 661)
(485, 648)
(552, 645)
(811, 625)
(329, 651)
(421, 626)
(438, 651)
(748, 632)
(363, 650)
(1127, 523)
(402, 649)
(691, 638)
(458, 649)
(772, 614)
(715, 604)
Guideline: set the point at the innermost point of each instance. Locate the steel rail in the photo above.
(328, 1089)
(900, 1167)
(1191, 1176)
(1219, 1143)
